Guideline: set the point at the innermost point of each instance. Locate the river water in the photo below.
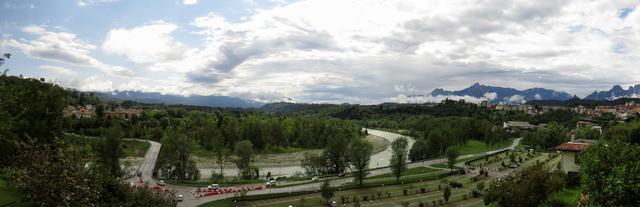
(380, 159)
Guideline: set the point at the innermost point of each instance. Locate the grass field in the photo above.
(445, 165)
(202, 183)
(382, 195)
(475, 146)
(568, 196)
(10, 196)
(131, 148)
(412, 171)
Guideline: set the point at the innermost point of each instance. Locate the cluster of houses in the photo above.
(89, 111)
(86, 111)
(620, 111)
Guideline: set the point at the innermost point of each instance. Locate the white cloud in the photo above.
(62, 47)
(58, 70)
(516, 99)
(189, 2)
(90, 2)
(490, 96)
(92, 83)
(150, 43)
(368, 51)
(431, 99)
(537, 97)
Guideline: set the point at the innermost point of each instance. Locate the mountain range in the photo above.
(616, 92)
(195, 100)
(505, 95)
(492, 93)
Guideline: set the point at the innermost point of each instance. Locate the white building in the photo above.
(570, 154)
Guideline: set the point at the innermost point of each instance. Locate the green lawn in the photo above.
(219, 203)
(412, 171)
(131, 148)
(445, 165)
(568, 196)
(202, 183)
(459, 195)
(9, 194)
(475, 146)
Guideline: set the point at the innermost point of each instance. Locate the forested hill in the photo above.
(583, 102)
(361, 112)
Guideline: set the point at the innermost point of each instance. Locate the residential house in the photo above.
(570, 154)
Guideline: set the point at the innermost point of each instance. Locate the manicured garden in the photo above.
(426, 192)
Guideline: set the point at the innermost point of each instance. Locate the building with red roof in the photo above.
(570, 154)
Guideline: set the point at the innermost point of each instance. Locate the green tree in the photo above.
(446, 194)
(588, 133)
(452, 156)
(314, 164)
(419, 150)
(536, 182)
(547, 138)
(336, 153)
(609, 173)
(29, 109)
(326, 190)
(109, 151)
(176, 159)
(399, 150)
(244, 151)
(360, 154)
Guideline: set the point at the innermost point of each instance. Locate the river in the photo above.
(380, 159)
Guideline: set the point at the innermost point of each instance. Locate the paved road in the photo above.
(190, 200)
(148, 163)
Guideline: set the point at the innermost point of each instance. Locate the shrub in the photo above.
(404, 191)
(423, 190)
(420, 204)
(365, 198)
(455, 184)
(476, 193)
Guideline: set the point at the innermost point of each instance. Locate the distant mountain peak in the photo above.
(615, 92)
(504, 95)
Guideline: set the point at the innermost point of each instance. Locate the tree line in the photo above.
(49, 171)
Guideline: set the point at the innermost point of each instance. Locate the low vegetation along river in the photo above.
(380, 159)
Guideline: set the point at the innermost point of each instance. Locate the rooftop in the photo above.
(578, 145)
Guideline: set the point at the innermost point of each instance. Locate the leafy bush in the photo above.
(455, 184)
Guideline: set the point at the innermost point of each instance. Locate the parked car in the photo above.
(180, 198)
(333, 204)
(514, 165)
(342, 174)
(161, 183)
(315, 179)
(213, 186)
(271, 183)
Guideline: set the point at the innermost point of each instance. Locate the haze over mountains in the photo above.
(504, 95)
(195, 100)
(616, 92)
(477, 91)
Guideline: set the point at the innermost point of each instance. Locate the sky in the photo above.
(333, 51)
